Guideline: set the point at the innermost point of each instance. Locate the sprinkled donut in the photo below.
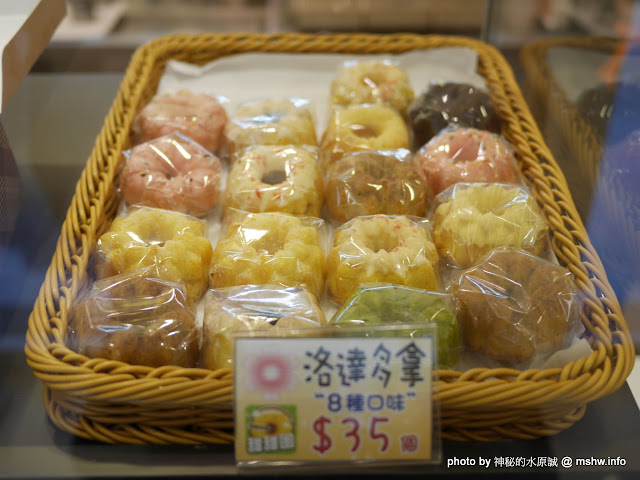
(466, 155)
(374, 83)
(172, 173)
(381, 248)
(273, 178)
(198, 116)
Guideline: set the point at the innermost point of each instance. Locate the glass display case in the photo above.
(563, 77)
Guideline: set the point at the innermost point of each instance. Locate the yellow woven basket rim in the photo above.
(99, 381)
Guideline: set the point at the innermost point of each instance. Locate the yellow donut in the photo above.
(253, 308)
(381, 248)
(263, 248)
(372, 82)
(480, 217)
(271, 122)
(274, 178)
(364, 127)
(172, 241)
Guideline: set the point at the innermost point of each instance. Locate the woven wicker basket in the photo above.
(119, 403)
(583, 142)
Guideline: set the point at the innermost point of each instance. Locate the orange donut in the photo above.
(172, 173)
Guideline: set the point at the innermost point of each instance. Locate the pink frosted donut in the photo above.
(198, 116)
(466, 155)
(172, 173)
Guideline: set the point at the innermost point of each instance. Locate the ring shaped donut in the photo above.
(273, 178)
(362, 127)
(381, 248)
(171, 241)
(373, 83)
(172, 173)
(466, 155)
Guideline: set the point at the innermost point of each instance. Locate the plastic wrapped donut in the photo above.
(198, 116)
(372, 82)
(135, 318)
(362, 127)
(270, 248)
(271, 122)
(369, 183)
(175, 243)
(514, 306)
(381, 248)
(253, 308)
(172, 173)
(466, 155)
(455, 105)
(475, 218)
(273, 178)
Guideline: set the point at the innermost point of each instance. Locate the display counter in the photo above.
(51, 124)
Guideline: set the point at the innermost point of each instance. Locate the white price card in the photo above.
(358, 399)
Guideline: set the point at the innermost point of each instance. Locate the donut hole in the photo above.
(274, 177)
(268, 241)
(364, 131)
(383, 241)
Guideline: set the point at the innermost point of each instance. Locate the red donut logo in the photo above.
(271, 373)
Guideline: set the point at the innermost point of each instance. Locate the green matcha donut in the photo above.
(376, 304)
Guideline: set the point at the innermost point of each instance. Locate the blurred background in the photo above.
(115, 27)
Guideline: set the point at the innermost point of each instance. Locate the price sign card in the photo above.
(309, 400)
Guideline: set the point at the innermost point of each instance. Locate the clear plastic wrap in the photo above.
(466, 155)
(271, 122)
(369, 183)
(451, 104)
(381, 248)
(379, 304)
(362, 127)
(198, 116)
(270, 248)
(274, 178)
(137, 319)
(472, 219)
(174, 242)
(173, 173)
(253, 308)
(372, 82)
(515, 306)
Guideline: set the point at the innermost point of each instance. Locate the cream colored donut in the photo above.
(381, 248)
(362, 127)
(253, 308)
(276, 248)
(271, 122)
(479, 217)
(376, 82)
(273, 178)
